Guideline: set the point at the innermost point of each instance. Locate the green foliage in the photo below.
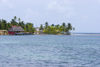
(3, 24)
(52, 25)
(41, 27)
(46, 25)
(27, 27)
(50, 30)
(15, 17)
(62, 28)
(19, 19)
(57, 29)
(73, 28)
(63, 24)
(9, 25)
(14, 23)
(21, 24)
(69, 26)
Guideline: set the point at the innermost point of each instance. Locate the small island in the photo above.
(18, 27)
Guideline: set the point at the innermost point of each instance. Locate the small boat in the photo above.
(18, 34)
(22, 34)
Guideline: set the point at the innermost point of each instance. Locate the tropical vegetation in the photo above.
(57, 29)
(28, 27)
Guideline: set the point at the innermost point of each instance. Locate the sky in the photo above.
(84, 15)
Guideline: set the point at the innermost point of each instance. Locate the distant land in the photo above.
(87, 33)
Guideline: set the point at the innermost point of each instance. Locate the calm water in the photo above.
(50, 51)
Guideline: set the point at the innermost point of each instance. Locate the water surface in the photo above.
(50, 51)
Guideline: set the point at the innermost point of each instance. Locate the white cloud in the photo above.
(4, 1)
(47, 13)
(70, 14)
(85, 16)
(5, 4)
(92, 7)
(99, 1)
(64, 6)
(56, 6)
(29, 14)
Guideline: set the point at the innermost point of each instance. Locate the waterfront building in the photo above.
(3, 32)
(15, 29)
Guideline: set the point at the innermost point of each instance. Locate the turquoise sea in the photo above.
(50, 51)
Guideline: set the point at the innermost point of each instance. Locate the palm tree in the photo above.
(73, 28)
(66, 30)
(19, 19)
(0, 20)
(15, 17)
(46, 24)
(41, 27)
(5, 24)
(52, 25)
(57, 26)
(63, 24)
(12, 22)
(69, 26)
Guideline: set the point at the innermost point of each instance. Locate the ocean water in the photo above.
(50, 51)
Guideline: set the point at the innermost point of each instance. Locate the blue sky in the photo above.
(84, 15)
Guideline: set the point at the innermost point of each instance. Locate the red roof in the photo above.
(15, 26)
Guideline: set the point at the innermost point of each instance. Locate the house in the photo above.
(37, 30)
(41, 31)
(3, 32)
(15, 29)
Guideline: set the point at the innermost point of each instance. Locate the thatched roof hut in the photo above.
(15, 28)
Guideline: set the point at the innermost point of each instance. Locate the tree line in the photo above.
(57, 29)
(28, 27)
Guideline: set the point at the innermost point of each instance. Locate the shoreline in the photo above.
(67, 34)
(86, 34)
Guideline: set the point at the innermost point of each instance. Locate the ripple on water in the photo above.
(50, 51)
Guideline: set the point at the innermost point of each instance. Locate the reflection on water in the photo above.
(50, 51)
